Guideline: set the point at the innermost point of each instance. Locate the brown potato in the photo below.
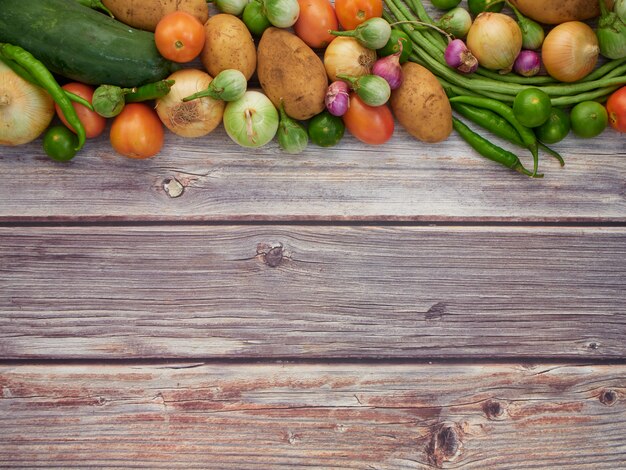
(290, 71)
(421, 106)
(559, 11)
(228, 45)
(147, 13)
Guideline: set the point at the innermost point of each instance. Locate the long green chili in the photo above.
(25, 74)
(490, 150)
(527, 135)
(499, 126)
(46, 80)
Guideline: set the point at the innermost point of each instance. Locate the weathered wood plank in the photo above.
(312, 292)
(342, 416)
(401, 180)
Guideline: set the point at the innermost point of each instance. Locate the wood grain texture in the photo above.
(401, 180)
(312, 292)
(322, 416)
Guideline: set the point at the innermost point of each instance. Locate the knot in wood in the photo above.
(445, 445)
(608, 397)
(493, 409)
(437, 311)
(173, 188)
(274, 256)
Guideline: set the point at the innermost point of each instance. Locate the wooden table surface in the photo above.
(406, 306)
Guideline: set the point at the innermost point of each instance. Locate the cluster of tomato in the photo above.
(138, 132)
(373, 125)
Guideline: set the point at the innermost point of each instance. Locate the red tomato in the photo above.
(370, 124)
(137, 132)
(179, 36)
(93, 123)
(316, 18)
(616, 106)
(352, 13)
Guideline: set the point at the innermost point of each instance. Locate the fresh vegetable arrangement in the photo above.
(303, 72)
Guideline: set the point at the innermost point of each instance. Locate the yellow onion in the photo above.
(25, 109)
(570, 51)
(495, 39)
(344, 55)
(189, 118)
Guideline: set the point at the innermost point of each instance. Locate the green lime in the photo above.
(393, 45)
(254, 18)
(326, 130)
(60, 143)
(478, 6)
(589, 119)
(445, 4)
(555, 129)
(532, 107)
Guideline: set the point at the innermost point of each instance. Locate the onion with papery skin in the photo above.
(459, 57)
(495, 39)
(570, 51)
(346, 56)
(390, 69)
(191, 118)
(337, 98)
(251, 121)
(527, 64)
(25, 109)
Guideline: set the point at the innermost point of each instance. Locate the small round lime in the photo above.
(532, 107)
(589, 119)
(326, 130)
(555, 129)
(60, 143)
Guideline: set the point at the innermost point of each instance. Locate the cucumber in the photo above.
(81, 44)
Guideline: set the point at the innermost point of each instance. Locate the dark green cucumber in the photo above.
(81, 44)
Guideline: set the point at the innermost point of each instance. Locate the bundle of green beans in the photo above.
(428, 51)
(485, 97)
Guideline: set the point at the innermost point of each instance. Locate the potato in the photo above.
(421, 106)
(147, 13)
(559, 11)
(228, 45)
(288, 69)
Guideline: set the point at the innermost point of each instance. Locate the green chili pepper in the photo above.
(490, 121)
(499, 126)
(45, 79)
(109, 100)
(25, 74)
(528, 137)
(151, 91)
(490, 150)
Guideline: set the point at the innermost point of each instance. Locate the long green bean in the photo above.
(503, 87)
